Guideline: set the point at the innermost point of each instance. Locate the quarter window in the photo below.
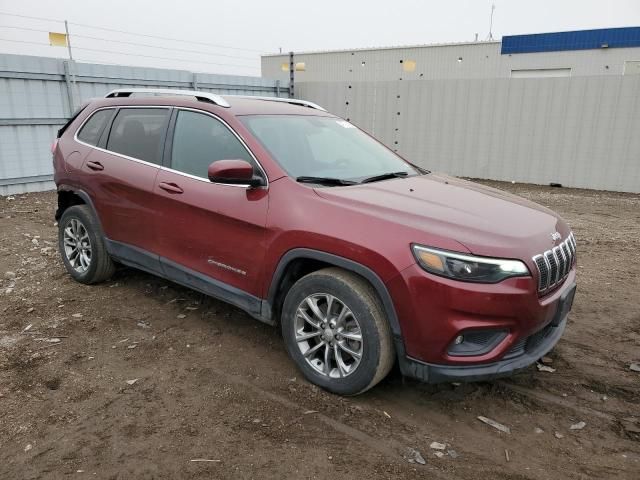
(139, 133)
(93, 128)
(200, 140)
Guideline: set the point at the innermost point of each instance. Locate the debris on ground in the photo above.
(494, 424)
(386, 414)
(309, 412)
(544, 368)
(437, 446)
(546, 360)
(452, 453)
(506, 454)
(28, 447)
(538, 430)
(631, 427)
(439, 454)
(558, 435)
(635, 367)
(204, 460)
(133, 381)
(578, 426)
(414, 456)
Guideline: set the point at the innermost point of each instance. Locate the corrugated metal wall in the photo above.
(438, 62)
(577, 131)
(35, 98)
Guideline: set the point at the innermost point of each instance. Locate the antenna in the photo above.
(490, 37)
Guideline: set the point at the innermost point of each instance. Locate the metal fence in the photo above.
(39, 94)
(576, 131)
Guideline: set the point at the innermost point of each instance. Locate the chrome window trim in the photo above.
(240, 139)
(162, 167)
(111, 152)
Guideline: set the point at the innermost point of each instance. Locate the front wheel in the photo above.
(335, 331)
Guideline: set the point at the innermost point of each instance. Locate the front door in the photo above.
(208, 232)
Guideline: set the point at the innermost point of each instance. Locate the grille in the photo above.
(554, 265)
(529, 344)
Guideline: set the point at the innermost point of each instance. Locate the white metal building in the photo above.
(561, 107)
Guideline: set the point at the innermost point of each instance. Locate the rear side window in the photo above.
(93, 128)
(139, 133)
(199, 140)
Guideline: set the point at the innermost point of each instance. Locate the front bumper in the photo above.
(435, 311)
(519, 358)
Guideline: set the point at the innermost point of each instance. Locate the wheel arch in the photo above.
(324, 259)
(69, 196)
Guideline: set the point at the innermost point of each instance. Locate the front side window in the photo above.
(93, 128)
(310, 146)
(139, 133)
(200, 140)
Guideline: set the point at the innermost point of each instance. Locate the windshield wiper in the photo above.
(384, 176)
(325, 181)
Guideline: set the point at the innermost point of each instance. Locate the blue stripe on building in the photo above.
(578, 40)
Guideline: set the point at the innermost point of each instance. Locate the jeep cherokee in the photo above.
(306, 222)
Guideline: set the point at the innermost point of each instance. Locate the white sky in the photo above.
(261, 26)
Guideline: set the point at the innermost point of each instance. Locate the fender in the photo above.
(85, 198)
(347, 264)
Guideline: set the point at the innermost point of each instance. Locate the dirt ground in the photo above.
(213, 384)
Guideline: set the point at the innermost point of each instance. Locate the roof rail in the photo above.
(293, 101)
(202, 96)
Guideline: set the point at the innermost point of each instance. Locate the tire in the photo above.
(338, 288)
(96, 265)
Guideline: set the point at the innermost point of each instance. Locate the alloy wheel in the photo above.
(328, 335)
(77, 245)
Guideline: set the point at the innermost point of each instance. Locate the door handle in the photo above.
(170, 187)
(95, 166)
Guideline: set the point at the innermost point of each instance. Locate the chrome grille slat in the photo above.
(553, 261)
(554, 265)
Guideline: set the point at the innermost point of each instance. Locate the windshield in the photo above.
(324, 147)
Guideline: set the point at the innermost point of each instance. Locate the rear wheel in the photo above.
(82, 246)
(335, 331)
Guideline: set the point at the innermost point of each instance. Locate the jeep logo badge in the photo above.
(556, 236)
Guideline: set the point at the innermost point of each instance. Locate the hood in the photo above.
(485, 220)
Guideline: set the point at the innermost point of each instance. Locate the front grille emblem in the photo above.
(555, 236)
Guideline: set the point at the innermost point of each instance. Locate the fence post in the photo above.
(292, 68)
(194, 81)
(277, 88)
(67, 80)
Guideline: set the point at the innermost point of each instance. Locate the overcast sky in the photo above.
(245, 28)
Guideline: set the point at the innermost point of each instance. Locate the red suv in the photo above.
(304, 221)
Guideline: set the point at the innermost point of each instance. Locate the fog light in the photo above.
(476, 342)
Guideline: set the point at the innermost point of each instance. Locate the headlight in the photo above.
(468, 267)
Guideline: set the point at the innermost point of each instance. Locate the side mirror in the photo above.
(234, 172)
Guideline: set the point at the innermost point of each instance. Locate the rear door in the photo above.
(206, 228)
(122, 170)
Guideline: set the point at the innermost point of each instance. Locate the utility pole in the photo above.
(292, 69)
(66, 29)
(71, 69)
